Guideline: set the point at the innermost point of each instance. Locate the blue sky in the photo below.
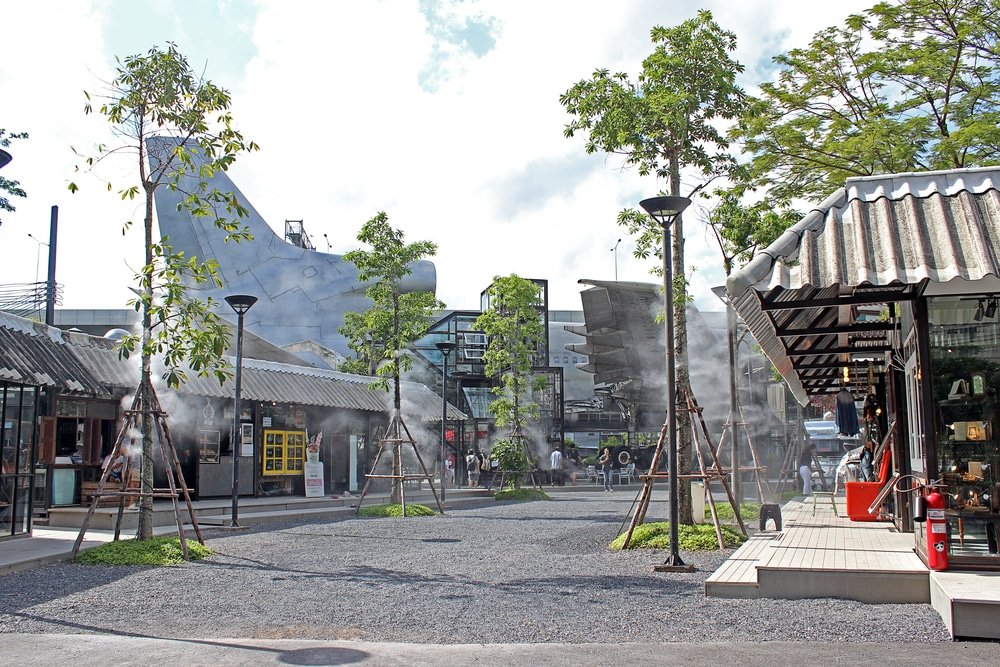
(444, 114)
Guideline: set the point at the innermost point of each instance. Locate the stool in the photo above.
(825, 494)
(770, 511)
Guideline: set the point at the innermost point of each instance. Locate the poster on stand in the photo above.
(314, 479)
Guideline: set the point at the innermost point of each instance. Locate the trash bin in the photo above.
(698, 501)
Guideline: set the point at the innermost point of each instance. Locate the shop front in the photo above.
(18, 407)
(302, 431)
(897, 276)
(964, 387)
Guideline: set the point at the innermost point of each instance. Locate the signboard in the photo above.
(314, 479)
(246, 439)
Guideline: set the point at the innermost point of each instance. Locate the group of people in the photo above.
(562, 464)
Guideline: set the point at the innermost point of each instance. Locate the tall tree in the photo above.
(158, 95)
(396, 319)
(907, 86)
(8, 185)
(516, 334)
(666, 122)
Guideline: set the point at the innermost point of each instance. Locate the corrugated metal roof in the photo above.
(35, 354)
(304, 385)
(893, 231)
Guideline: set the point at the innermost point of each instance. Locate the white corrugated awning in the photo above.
(877, 240)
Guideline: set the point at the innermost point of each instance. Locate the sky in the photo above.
(444, 114)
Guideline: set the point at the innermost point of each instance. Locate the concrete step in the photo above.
(251, 510)
(872, 586)
(968, 602)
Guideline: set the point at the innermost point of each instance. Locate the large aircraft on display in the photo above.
(302, 293)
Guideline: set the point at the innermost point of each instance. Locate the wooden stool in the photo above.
(825, 494)
(770, 511)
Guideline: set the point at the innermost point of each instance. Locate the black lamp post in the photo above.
(241, 303)
(665, 210)
(445, 346)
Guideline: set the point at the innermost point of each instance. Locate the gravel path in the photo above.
(520, 572)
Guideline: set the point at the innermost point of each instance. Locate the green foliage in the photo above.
(520, 493)
(396, 319)
(395, 510)
(741, 228)
(7, 185)
(158, 95)
(668, 120)
(748, 511)
(510, 454)
(697, 537)
(155, 551)
(907, 86)
(516, 332)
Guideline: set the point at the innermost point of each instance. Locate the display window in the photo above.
(284, 452)
(965, 361)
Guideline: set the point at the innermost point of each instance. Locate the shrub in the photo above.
(155, 551)
(749, 511)
(511, 493)
(509, 453)
(396, 510)
(699, 537)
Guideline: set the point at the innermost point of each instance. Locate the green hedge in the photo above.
(396, 510)
(155, 551)
(699, 537)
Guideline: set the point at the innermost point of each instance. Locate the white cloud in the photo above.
(350, 123)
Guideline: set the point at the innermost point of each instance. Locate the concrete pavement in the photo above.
(86, 650)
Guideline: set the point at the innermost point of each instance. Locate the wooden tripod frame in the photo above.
(124, 446)
(393, 439)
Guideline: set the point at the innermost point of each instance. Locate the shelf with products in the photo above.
(284, 452)
(969, 454)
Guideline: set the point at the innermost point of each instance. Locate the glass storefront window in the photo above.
(965, 387)
(17, 457)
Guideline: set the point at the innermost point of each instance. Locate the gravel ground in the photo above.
(505, 573)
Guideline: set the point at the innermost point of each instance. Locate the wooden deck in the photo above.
(821, 554)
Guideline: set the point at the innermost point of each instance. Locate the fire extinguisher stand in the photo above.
(929, 508)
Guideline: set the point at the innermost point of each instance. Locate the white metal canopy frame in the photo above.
(812, 298)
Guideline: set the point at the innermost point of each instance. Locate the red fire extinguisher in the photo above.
(937, 532)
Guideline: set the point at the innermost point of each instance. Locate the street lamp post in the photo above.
(241, 303)
(445, 346)
(615, 251)
(664, 210)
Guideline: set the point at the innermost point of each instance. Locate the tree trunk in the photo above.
(145, 531)
(681, 362)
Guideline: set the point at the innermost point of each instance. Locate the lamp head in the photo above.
(665, 209)
(241, 303)
(991, 308)
(445, 346)
(978, 315)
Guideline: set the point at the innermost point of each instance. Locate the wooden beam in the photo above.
(858, 327)
(873, 298)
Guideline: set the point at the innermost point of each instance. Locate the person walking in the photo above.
(473, 462)
(605, 462)
(555, 463)
(805, 469)
(574, 463)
